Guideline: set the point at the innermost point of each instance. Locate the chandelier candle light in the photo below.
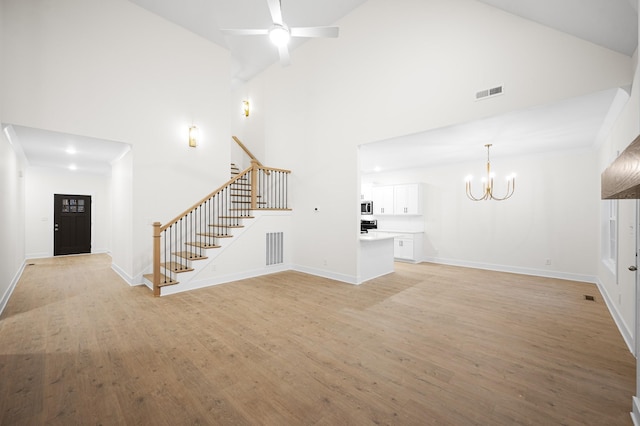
(487, 184)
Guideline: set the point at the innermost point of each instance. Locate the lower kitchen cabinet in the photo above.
(407, 247)
(403, 248)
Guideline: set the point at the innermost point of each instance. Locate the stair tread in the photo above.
(163, 278)
(203, 245)
(176, 267)
(237, 217)
(220, 225)
(212, 235)
(189, 255)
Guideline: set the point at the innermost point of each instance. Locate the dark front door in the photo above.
(72, 224)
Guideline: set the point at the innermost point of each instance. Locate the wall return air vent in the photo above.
(489, 93)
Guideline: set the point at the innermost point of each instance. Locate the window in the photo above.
(610, 234)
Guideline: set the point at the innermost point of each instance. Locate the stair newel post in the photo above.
(156, 258)
(254, 184)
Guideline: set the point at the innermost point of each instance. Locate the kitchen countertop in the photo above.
(398, 232)
(376, 236)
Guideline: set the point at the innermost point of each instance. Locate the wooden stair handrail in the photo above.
(158, 228)
(199, 203)
(246, 150)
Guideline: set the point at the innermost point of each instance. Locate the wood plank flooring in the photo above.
(428, 344)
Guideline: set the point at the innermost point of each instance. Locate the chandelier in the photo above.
(487, 184)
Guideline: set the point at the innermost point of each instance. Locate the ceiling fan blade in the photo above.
(285, 59)
(276, 11)
(240, 32)
(314, 31)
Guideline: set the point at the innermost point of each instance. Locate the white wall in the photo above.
(121, 214)
(11, 202)
(619, 288)
(399, 68)
(109, 69)
(41, 184)
(11, 219)
(553, 215)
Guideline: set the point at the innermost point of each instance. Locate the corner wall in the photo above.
(12, 227)
(112, 70)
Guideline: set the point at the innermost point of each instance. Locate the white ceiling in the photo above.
(609, 23)
(250, 54)
(44, 148)
(570, 124)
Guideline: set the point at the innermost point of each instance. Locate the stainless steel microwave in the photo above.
(366, 207)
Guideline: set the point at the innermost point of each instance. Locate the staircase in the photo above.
(210, 224)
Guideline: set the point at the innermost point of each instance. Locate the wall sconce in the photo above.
(245, 108)
(193, 136)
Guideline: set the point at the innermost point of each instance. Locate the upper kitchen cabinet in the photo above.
(407, 199)
(399, 200)
(383, 199)
(366, 193)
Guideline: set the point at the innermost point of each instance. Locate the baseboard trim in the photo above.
(623, 328)
(126, 277)
(348, 279)
(14, 282)
(635, 414)
(515, 270)
(223, 279)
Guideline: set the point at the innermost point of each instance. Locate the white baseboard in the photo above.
(223, 279)
(126, 277)
(12, 286)
(624, 329)
(515, 270)
(635, 414)
(349, 279)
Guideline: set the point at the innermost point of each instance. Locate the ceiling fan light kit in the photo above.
(280, 33)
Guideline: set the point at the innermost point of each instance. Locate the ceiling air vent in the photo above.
(488, 93)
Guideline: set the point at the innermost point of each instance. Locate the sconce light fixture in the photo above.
(193, 136)
(245, 108)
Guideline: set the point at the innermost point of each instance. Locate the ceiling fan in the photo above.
(280, 33)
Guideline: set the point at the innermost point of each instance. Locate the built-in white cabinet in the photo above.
(397, 199)
(366, 193)
(408, 247)
(403, 248)
(383, 199)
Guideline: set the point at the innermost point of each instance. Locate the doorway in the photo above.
(72, 224)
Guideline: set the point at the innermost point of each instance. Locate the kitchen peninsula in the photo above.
(376, 255)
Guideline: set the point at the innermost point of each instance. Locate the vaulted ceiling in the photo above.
(609, 23)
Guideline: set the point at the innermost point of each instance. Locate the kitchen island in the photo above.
(376, 255)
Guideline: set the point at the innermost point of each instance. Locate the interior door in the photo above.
(625, 298)
(72, 224)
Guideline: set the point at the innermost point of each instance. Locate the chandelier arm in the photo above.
(511, 187)
(471, 196)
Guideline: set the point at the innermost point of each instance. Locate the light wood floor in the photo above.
(429, 344)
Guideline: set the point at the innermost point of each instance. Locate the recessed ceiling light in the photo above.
(71, 150)
(73, 167)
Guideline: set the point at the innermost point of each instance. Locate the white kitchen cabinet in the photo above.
(383, 199)
(366, 193)
(400, 200)
(407, 199)
(403, 248)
